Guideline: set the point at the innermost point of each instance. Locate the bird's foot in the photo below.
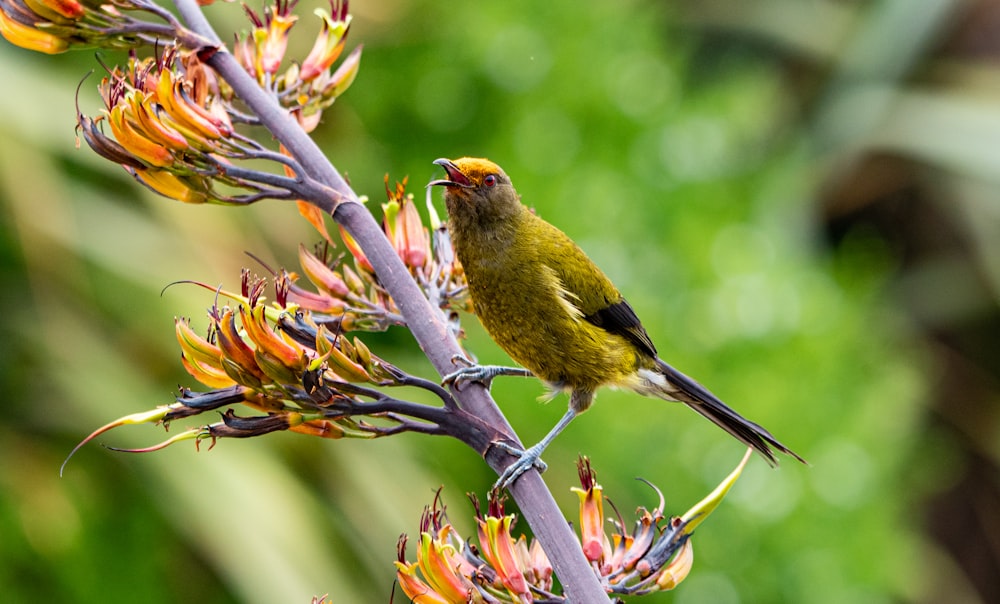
(471, 372)
(527, 459)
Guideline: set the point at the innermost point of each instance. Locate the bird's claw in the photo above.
(464, 361)
(527, 459)
(468, 373)
(472, 372)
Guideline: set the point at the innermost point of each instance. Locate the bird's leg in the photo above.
(530, 457)
(473, 372)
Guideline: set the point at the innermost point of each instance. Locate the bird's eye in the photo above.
(490, 180)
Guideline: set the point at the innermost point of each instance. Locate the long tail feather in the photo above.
(681, 387)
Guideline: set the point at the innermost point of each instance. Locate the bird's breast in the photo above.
(527, 311)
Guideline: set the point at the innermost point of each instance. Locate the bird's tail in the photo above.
(684, 389)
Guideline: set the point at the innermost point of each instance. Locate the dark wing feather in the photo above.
(620, 319)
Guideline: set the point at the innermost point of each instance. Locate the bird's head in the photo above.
(475, 181)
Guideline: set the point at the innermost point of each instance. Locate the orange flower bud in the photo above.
(150, 125)
(279, 359)
(237, 357)
(592, 522)
(329, 42)
(342, 79)
(412, 241)
(275, 43)
(322, 428)
(149, 151)
(498, 549)
(678, 569)
(28, 37)
(416, 590)
(168, 184)
(435, 562)
(312, 301)
(321, 275)
(170, 94)
(355, 249)
(340, 361)
(201, 358)
(68, 9)
(354, 282)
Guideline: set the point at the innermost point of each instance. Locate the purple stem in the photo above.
(538, 508)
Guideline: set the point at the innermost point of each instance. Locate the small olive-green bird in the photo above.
(555, 313)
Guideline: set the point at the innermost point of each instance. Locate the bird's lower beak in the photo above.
(455, 176)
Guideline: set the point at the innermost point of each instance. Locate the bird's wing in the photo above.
(619, 318)
(585, 286)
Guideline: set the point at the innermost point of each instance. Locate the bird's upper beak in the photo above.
(455, 176)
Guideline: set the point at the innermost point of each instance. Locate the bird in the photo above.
(555, 313)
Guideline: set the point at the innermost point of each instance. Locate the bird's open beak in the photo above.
(455, 176)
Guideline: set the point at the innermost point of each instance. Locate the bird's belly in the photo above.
(563, 350)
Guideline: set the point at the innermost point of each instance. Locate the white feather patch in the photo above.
(567, 299)
(649, 382)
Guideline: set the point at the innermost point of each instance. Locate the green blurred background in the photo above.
(799, 198)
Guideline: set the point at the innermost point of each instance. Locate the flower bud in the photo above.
(591, 496)
(201, 359)
(329, 42)
(321, 275)
(238, 359)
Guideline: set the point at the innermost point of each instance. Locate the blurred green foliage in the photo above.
(684, 146)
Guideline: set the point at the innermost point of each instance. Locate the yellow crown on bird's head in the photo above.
(470, 172)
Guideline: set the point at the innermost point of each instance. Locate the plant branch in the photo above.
(537, 505)
(450, 419)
